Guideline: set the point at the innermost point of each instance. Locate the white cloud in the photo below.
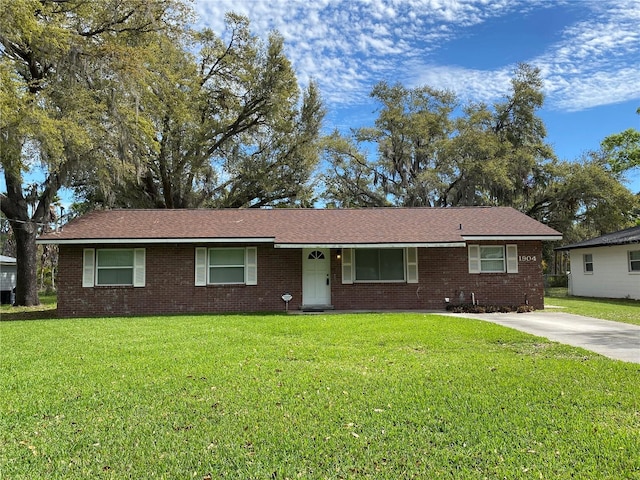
(349, 45)
(597, 62)
(469, 84)
(600, 88)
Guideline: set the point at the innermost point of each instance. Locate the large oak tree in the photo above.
(432, 151)
(70, 72)
(426, 149)
(231, 127)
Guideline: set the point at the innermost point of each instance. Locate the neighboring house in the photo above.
(607, 266)
(124, 262)
(8, 272)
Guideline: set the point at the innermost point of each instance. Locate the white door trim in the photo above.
(316, 277)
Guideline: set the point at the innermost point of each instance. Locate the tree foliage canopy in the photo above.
(68, 68)
(124, 103)
(431, 151)
(230, 126)
(426, 149)
(623, 150)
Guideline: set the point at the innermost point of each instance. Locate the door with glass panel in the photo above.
(316, 284)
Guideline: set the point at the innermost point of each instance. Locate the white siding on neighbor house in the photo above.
(610, 277)
(7, 277)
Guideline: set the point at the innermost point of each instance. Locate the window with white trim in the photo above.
(226, 266)
(587, 263)
(634, 261)
(379, 265)
(111, 267)
(114, 267)
(492, 259)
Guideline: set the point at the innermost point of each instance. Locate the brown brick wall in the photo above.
(170, 288)
(444, 273)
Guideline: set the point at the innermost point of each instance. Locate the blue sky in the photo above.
(588, 53)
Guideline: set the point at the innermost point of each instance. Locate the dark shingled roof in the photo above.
(622, 237)
(303, 226)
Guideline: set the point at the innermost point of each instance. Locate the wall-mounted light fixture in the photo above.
(339, 254)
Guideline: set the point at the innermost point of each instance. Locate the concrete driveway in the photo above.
(620, 341)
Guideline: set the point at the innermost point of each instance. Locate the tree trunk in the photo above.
(26, 254)
(25, 230)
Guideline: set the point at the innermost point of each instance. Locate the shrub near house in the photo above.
(124, 262)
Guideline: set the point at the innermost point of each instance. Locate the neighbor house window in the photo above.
(226, 266)
(110, 267)
(587, 261)
(379, 264)
(634, 261)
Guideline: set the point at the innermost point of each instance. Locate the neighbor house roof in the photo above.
(304, 227)
(4, 260)
(622, 237)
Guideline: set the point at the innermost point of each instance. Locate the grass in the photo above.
(318, 396)
(46, 309)
(616, 309)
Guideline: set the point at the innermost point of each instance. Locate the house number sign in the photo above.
(527, 258)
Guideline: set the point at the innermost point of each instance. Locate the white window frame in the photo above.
(586, 262)
(509, 258)
(633, 261)
(409, 261)
(234, 266)
(404, 266)
(203, 266)
(120, 267)
(90, 268)
(493, 247)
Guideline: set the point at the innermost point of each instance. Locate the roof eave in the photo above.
(370, 245)
(544, 238)
(597, 245)
(139, 241)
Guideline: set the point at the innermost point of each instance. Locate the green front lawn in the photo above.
(618, 309)
(314, 396)
(46, 309)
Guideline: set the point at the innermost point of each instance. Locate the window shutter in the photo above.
(474, 258)
(201, 266)
(412, 265)
(347, 265)
(251, 260)
(88, 267)
(139, 267)
(512, 258)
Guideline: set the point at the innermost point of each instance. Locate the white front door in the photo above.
(316, 284)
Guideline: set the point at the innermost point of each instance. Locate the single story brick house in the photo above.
(607, 266)
(128, 262)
